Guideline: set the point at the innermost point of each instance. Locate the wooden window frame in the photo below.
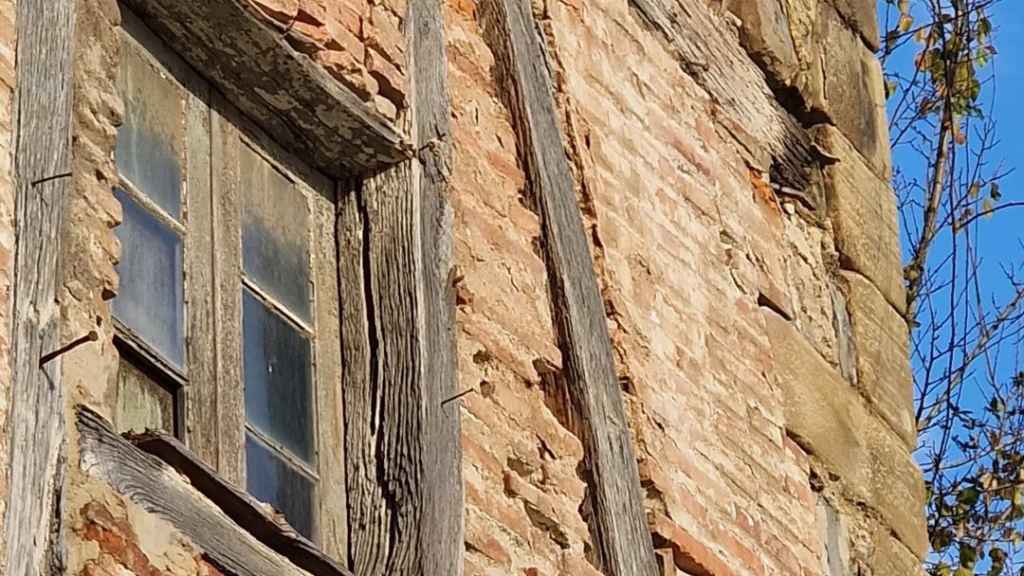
(131, 346)
(216, 137)
(331, 127)
(393, 220)
(232, 132)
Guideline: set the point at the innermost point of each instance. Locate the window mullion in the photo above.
(227, 289)
(200, 402)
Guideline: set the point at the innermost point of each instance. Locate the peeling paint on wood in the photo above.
(295, 100)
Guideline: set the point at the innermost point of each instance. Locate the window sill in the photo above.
(154, 470)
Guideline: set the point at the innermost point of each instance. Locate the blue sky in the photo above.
(999, 235)
(999, 238)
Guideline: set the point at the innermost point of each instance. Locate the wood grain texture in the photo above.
(246, 511)
(441, 534)
(295, 100)
(42, 153)
(227, 239)
(333, 533)
(383, 423)
(234, 530)
(621, 537)
(201, 392)
(395, 255)
(744, 103)
(366, 507)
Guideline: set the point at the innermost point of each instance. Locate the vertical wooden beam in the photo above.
(333, 518)
(441, 535)
(385, 436)
(621, 536)
(366, 507)
(402, 440)
(42, 164)
(227, 288)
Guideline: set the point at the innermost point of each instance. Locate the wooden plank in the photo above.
(441, 535)
(227, 272)
(294, 99)
(383, 423)
(201, 392)
(366, 507)
(330, 422)
(743, 102)
(230, 527)
(395, 243)
(621, 537)
(42, 161)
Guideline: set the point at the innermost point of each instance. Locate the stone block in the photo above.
(891, 557)
(766, 37)
(864, 216)
(845, 84)
(883, 365)
(861, 15)
(383, 33)
(828, 419)
(690, 555)
(344, 67)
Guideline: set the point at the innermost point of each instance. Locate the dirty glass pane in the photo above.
(269, 479)
(142, 404)
(150, 299)
(278, 383)
(149, 142)
(275, 233)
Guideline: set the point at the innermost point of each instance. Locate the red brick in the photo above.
(690, 554)
(382, 33)
(393, 83)
(282, 12)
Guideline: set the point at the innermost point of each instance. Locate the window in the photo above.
(227, 309)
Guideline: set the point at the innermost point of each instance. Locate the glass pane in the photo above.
(271, 480)
(149, 142)
(150, 299)
(275, 233)
(278, 382)
(142, 404)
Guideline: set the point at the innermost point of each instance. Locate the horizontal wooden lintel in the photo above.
(286, 93)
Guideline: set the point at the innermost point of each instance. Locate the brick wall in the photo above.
(758, 337)
(734, 453)
(360, 43)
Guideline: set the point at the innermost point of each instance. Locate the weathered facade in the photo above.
(605, 287)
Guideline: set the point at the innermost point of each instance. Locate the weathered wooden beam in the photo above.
(621, 536)
(441, 538)
(230, 527)
(42, 162)
(384, 424)
(242, 508)
(744, 103)
(294, 99)
(367, 509)
(404, 471)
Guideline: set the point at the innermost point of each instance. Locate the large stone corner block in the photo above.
(828, 418)
(864, 215)
(848, 87)
(766, 37)
(883, 358)
(862, 15)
